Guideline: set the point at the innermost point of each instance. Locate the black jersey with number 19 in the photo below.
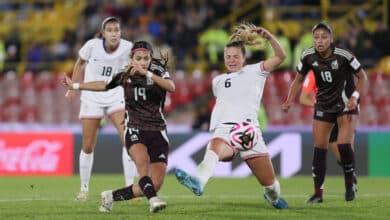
(333, 75)
(144, 98)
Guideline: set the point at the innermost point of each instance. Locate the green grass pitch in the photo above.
(224, 198)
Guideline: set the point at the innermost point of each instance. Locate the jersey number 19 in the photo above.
(139, 92)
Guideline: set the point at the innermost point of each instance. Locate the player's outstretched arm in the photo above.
(92, 86)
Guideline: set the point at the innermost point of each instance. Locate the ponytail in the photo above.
(243, 33)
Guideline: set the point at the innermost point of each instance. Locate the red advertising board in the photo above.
(36, 153)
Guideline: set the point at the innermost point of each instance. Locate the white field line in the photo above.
(366, 195)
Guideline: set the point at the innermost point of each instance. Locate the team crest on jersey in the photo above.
(334, 65)
(315, 63)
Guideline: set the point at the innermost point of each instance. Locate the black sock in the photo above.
(125, 193)
(319, 169)
(146, 185)
(348, 161)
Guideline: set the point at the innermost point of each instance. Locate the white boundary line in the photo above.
(204, 196)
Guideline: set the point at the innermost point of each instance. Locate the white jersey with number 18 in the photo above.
(102, 66)
(238, 96)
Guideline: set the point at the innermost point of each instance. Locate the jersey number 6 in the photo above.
(228, 83)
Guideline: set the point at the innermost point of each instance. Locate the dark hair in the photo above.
(322, 24)
(104, 23)
(144, 45)
(239, 44)
(139, 45)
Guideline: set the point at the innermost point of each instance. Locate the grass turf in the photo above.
(224, 198)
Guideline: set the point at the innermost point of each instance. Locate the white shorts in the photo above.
(91, 110)
(259, 150)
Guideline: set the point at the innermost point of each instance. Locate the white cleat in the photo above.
(82, 196)
(156, 204)
(107, 201)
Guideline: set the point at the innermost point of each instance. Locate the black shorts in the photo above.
(156, 142)
(331, 117)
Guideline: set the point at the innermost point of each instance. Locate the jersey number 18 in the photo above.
(107, 71)
(326, 76)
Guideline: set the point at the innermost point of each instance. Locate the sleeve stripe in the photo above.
(307, 52)
(343, 53)
(262, 69)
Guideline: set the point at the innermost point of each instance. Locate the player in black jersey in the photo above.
(145, 84)
(337, 101)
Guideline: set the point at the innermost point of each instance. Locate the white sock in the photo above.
(273, 191)
(207, 166)
(128, 167)
(85, 163)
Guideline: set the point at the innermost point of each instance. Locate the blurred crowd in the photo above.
(189, 32)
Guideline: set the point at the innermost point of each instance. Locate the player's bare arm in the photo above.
(362, 78)
(91, 86)
(77, 70)
(271, 63)
(306, 99)
(294, 89)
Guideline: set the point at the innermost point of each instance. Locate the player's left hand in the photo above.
(262, 32)
(137, 69)
(352, 103)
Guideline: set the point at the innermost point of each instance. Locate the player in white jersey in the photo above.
(101, 58)
(238, 95)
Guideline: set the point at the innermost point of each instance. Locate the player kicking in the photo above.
(238, 95)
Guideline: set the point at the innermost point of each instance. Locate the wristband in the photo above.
(76, 86)
(356, 94)
(149, 74)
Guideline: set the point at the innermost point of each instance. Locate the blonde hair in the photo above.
(244, 33)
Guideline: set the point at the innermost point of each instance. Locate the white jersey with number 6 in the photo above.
(238, 96)
(101, 66)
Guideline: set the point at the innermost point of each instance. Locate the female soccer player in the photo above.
(100, 58)
(238, 95)
(337, 101)
(307, 98)
(145, 85)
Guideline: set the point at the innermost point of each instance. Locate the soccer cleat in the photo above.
(107, 201)
(82, 196)
(350, 193)
(280, 203)
(156, 204)
(190, 182)
(314, 199)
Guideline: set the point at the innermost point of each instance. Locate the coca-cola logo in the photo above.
(36, 156)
